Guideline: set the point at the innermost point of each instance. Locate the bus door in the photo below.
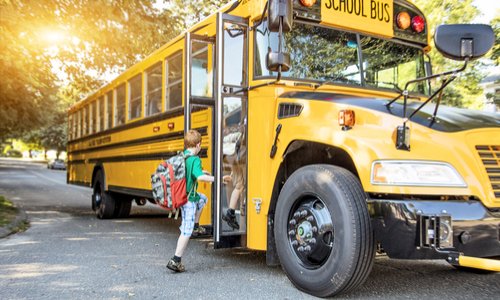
(200, 104)
(230, 202)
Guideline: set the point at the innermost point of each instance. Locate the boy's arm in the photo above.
(199, 173)
(205, 177)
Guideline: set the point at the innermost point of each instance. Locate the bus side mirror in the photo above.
(276, 59)
(280, 9)
(464, 41)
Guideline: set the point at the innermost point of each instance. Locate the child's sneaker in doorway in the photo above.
(230, 218)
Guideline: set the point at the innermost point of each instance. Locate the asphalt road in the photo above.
(69, 254)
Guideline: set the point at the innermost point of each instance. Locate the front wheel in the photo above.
(323, 232)
(103, 203)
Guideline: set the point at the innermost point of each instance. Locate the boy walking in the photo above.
(190, 211)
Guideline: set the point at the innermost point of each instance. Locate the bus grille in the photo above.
(490, 156)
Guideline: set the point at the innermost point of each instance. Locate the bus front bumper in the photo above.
(462, 232)
(475, 262)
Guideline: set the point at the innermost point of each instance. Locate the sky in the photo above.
(489, 9)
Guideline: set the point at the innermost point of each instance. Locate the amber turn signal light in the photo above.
(347, 118)
(307, 3)
(403, 20)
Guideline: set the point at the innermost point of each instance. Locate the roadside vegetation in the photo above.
(7, 212)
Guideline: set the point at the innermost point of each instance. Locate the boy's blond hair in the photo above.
(192, 138)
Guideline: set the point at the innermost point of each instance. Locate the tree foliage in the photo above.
(54, 52)
(464, 91)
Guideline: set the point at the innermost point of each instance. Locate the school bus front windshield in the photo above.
(327, 55)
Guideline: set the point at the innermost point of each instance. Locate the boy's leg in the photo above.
(188, 212)
(199, 207)
(182, 243)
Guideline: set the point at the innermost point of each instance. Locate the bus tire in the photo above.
(123, 207)
(323, 231)
(103, 202)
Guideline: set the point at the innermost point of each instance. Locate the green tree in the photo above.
(54, 52)
(495, 53)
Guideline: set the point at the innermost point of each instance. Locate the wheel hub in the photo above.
(310, 232)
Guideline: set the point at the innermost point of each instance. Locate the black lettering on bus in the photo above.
(349, 7)
(387, 17)
(380, 11)
(328, 2)
(373, 9)
(356, 7)
(340, 5)
(362, 8)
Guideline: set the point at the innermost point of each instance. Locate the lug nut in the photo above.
(310, 218)
(303, 213)
(291, 232)
(307, 248)
(314, 229)
(295, 243)
(300, 249)
(296, 214)
(292, 222)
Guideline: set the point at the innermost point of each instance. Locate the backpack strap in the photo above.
(186, 156)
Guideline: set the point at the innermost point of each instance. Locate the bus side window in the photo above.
(100, 114)
(173, 65)
(79, 123)
(70, 127)
(153, 90)
(135, 98)
(120, 105)
(109, 109)
(93, 115)
(85, 120)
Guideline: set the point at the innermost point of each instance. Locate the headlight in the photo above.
(415, 173)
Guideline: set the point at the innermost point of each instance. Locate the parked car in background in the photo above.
(56, 164)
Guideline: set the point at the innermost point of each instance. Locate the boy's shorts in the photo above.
(188, 212)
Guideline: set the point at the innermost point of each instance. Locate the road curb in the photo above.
(14, 226)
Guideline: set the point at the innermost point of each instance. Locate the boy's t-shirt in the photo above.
(193, 171)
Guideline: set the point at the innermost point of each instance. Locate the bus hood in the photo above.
(448, 119)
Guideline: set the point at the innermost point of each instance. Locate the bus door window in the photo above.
(234, 163)
(234, 72)
(201, 70)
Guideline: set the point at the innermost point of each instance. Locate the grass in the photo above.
(7, 212)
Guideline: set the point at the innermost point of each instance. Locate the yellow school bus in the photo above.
(326, 119)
